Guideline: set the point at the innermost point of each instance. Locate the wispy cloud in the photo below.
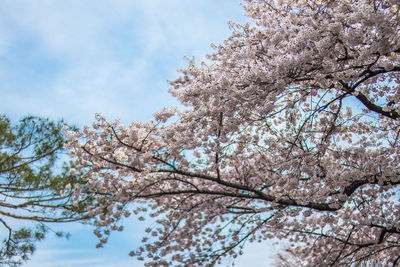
(75, 58)
(79, 258)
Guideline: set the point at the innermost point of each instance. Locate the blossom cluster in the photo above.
(292, 132)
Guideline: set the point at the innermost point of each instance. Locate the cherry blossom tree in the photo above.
(291, 131)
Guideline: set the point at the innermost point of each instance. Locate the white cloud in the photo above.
(108, 57)
(259, 254)
(78, 258)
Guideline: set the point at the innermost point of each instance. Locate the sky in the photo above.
(71, 59)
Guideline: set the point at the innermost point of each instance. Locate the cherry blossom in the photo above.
(290, 131)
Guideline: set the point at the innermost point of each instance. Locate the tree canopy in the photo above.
(31, 180)
(291, 131)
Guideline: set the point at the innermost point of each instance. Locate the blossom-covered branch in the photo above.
(291, 132)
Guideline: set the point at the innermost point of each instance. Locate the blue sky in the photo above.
(71, 59)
